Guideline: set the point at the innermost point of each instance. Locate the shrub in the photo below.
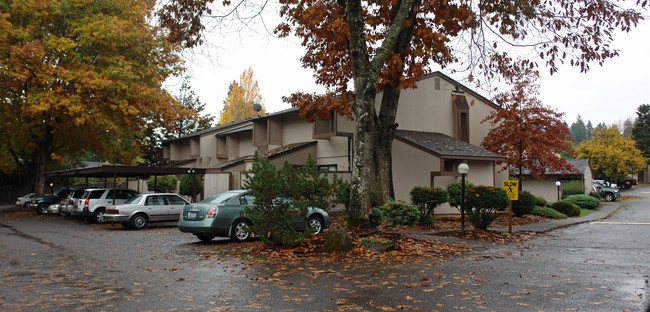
(275, 219)
(162, 184)
(572, 188)
(482, 204)
(454, 193)
(189, 188)
(427, 199)
(547, 212)
(524, 205)
(540, 201)
(595, 195)
(400, 213)
(566, 208)
(583, 201)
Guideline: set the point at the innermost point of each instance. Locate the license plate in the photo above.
(192, 214)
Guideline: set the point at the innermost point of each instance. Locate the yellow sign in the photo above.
(512, 188)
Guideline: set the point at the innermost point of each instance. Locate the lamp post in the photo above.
(191, 171)
(558, 184)
(463, 169)
(52, 187)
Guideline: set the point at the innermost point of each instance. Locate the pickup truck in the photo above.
(42, 202)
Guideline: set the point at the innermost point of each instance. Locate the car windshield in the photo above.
(134, 199)
(219, 198)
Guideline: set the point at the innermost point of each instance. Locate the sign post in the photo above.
(512, 189)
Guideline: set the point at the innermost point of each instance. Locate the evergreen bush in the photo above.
(540, 201)
(547, 212)
(400, 213)
(583, 201)
(302, 187)
(566, 208)
(427, 199)
(189, 188)
(162, 184)
(454, 192)
(524, 205)
(482, 204)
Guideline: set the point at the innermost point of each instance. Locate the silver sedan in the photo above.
(141, 209)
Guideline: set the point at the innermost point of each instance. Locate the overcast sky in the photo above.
(606, 94)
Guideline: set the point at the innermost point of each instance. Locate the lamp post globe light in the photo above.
(463, 169)
(558, 184)
(191, 171)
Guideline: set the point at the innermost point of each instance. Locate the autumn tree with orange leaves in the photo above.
(241, 97)
(531, 136)
(80, 75)
(359, 48)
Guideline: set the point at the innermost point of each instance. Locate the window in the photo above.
(449, 166)
(328, 168)
(174, 200)
(461, 116)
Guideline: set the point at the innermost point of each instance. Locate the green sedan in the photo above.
(223, 215)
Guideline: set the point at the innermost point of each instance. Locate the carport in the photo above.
(113, 171)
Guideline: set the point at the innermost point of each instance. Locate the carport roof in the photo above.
(109, 171)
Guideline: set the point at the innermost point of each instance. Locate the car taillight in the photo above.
(86, 202)
(212, 212)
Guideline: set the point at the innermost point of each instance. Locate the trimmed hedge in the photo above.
(566, 208)
(524, 205)
(396, 213)
(547, 212)
(584, 201)
(428, 198)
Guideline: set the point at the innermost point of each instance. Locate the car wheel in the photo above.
(126, 225)
(42, 208)
(98, 216)
(239, 231)
(139, 221)
(204, 237)
(316, 224)
(609, 197)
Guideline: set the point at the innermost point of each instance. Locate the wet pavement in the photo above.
(593, 263)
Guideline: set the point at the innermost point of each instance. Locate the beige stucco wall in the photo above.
(333, 152)
(425, 108)
(411, 167)
(544, 188)
(179, 150)
(296, 130)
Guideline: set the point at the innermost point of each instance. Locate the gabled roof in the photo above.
(461, 87)
(444, 146)
(202, 132)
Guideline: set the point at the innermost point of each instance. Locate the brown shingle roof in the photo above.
(443, 145)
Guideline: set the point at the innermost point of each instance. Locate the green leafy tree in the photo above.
(196, 120)
(641, 129)
(80, 75)
(483, 202)
(162, 184)
(191, 185)
(610, 155)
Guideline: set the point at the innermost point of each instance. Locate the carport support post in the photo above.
(114, 186)
(191, 171)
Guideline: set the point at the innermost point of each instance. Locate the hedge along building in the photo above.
(439, 128)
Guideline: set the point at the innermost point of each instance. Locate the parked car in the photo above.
(223, 215)
(24, 200)
(43, 202)
(608, 193)
(54, 208)
(626, 184)
(141, 209)
(68, 204)
(94, 201)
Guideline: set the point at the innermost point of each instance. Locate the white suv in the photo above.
(93, 202)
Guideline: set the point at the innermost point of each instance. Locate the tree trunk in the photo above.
(384, 143)
(42, 158)
(362, 165)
